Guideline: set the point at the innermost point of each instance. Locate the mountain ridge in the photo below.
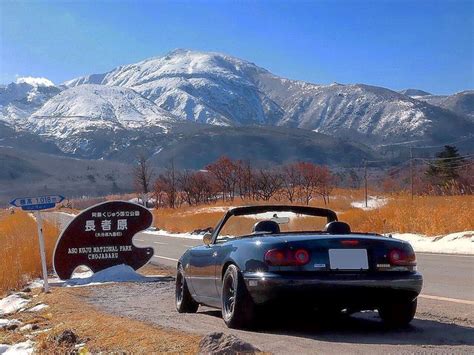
(100, 115)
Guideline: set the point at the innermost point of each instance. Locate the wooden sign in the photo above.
(101, 237)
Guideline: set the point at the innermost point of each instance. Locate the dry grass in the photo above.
(105, 332)
(101, 332)
(429, 215)
(19, 252)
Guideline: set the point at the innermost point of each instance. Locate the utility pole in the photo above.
(366, 184)
(411, 171)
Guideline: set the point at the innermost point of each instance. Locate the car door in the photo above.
(201, 272)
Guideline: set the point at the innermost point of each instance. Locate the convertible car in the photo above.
(266, 259)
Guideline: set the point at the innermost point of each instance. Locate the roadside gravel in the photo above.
(439, 326)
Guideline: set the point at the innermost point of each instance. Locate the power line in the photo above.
(444, 144)
(450, 158)
(402, 144)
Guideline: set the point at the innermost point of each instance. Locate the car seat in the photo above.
(336, 227)
(266, 226)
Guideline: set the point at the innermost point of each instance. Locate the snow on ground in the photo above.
(38, 307)
(270, 215)
(373, 202)
(12, 303)
(5, 323)
(454, 243)
(213, 209)
(67, 214)
(163, 233)
(118, 273)
(26, 347)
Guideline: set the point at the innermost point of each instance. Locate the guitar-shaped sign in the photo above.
(101, 237)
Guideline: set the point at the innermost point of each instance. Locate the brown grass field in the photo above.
(19, 252)
(428, 215)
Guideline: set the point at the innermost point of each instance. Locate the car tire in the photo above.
(184, 301)
(238, 309)
(398, 314)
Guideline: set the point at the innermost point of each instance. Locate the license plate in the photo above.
(348, 259)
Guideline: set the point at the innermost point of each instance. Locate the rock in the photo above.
(220, 343)
(26, 289)
(67, 337)
(11, 327)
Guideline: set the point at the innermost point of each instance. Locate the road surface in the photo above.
(444, 321)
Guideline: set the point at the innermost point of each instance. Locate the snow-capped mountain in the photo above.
(462, 102)
(203, 87)
(223, 90)
(20, 99)
(140, 106)
(75, 116)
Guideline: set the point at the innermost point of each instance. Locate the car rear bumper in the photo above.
(363, 291)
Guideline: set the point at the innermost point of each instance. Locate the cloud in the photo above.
(34, 81)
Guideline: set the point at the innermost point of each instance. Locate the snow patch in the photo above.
(163, 233)
(454, 243)
(118, 273)
(5, 323)
(12, 303)
(38, 307)
(373, 202)
(67, 214)
(26, 347)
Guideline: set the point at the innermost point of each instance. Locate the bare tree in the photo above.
(167, 184)
(142, 176)
(267, 183)
(291, 180)
(225, 171)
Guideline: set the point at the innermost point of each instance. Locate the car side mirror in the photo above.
(207, 238)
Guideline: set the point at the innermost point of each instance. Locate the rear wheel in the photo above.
(398, 314)
(184, 300)
(238, 309)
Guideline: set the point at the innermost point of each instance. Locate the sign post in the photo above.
(39, 222)
(37, 204)
(101, 237)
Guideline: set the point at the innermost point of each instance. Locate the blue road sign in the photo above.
(37, 203)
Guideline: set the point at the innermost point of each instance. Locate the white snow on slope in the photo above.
(373, 202)
(12, 303)
(224, 90)
(26, 347)
(90, 107)
(454, 243)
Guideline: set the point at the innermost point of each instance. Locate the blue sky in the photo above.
(396, 44)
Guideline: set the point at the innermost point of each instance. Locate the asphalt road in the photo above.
(444, 321)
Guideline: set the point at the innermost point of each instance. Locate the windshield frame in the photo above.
(252, 210)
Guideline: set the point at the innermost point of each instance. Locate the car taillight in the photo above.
(287, 257)
(350, 242)
(398, 257)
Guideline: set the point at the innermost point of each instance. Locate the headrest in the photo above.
(266, 227)
(337, 227)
